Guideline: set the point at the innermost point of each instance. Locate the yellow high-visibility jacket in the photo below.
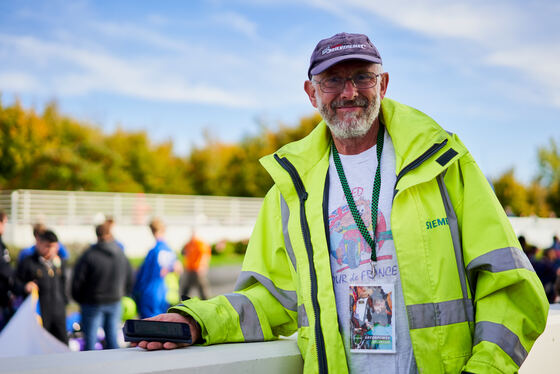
(473, 300)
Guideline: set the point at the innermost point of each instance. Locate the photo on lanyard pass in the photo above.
(372, 327)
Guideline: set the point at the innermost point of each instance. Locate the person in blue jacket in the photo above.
(37, 229)
(150, 290)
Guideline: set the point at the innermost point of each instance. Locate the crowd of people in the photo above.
(546, 263)
(101, 277)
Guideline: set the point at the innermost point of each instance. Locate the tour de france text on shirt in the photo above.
(365, 275)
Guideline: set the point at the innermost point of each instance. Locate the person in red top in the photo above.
(196, 260)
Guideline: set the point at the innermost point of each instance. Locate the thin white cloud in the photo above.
(237, 22)
(501, 31)
(538, 62)
(98, 71)
(472, 20)
(17, 81)
(128, 31)
(146, 37)
(341, 10)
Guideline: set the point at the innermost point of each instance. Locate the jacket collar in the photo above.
(411, 131)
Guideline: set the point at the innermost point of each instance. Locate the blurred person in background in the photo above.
(48, 271)
(150, 290)
(38, 228)
(196, 261)
(546, 268)
(110, 221)
(529, 250)
(102, 276)
(10, 285)
(556, 245)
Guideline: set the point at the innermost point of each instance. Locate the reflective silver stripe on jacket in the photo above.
(501, 336)
(288, 299)
(248, 318)
(439, 314)
(455, 315)
(455, 234)
(302, 320)
(287, 242)
(498, 260)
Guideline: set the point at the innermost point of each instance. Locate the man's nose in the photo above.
(349, 91)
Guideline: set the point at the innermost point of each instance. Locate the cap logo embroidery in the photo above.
(340, 47)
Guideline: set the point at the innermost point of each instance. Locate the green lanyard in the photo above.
(374, 195)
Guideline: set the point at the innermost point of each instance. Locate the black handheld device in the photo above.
(136, 330)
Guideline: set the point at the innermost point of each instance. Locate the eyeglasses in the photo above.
(336, 84)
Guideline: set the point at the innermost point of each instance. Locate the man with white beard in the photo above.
(378, 198)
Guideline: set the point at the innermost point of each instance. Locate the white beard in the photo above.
(352, 125)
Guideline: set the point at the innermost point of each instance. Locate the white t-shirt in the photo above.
(370, 304)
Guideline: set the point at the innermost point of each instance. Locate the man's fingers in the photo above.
(169, 317)
(152, 346)
(142, 344)
(171, 345)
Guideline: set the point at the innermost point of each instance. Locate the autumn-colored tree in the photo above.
(51, 151)
(520, 200)
(537, 200)
(22, 135)
(218, 168)
(512, 194)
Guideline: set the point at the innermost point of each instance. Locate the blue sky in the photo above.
(486, 70)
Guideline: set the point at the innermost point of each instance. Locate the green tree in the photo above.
(537, 200)
(512, 194)
(549, 173)
(22, 135)
(219, 168)
(51, 151)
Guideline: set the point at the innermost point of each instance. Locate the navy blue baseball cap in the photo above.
(341, 47)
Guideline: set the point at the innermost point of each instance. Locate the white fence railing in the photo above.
(73, 213)
(85, 208)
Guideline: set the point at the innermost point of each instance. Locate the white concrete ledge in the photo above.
(544, 355)
(281, 356)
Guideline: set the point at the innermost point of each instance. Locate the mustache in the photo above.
(359, 101)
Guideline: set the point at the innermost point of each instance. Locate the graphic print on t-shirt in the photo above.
(351, 266)
(348, 247)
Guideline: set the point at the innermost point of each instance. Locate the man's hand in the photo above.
(30, 287)
(171, 317)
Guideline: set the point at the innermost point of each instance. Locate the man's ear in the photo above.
(310, 90)
(383, 85)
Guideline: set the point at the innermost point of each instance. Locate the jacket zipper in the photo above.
(417, 162)
(302, 195)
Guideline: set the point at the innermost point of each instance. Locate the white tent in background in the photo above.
(24, 336)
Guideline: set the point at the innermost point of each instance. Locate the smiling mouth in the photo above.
(354, 104)
(349, 108)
